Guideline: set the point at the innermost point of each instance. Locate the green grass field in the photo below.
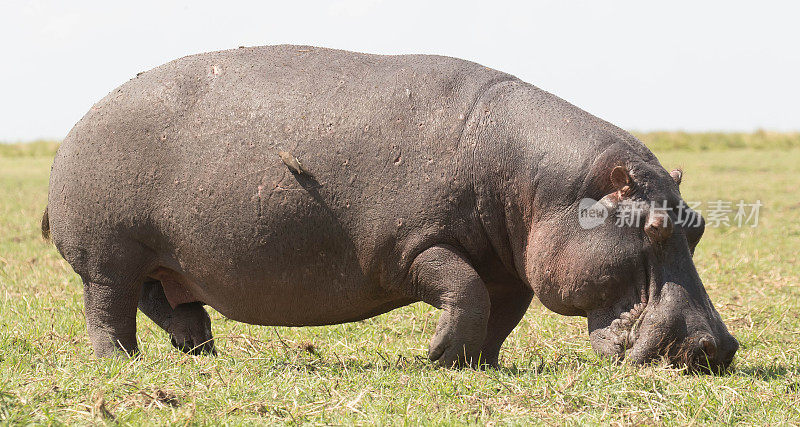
(374, 372)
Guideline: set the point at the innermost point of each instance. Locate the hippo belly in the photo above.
(292, 261)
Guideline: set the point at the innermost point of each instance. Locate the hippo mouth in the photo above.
(629, 322)
(619, 336)
(625, 329)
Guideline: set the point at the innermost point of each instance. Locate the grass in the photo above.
(373, 372)
(39, 148)
(706, 141)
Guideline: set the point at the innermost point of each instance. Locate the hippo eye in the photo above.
(691, 222)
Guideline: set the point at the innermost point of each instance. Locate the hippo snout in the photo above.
(681, 325)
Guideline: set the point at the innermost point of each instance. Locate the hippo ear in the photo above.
(620, 181)
(676, 175)
(620, 177)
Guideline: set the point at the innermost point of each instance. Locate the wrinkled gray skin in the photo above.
(293, 185)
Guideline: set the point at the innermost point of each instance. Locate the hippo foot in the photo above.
(457, 341)
(188, 325)
(189, 329)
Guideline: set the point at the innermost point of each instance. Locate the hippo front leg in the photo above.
(188, 325)
(508, 307)
(444, 278)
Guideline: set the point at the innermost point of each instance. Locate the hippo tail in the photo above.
(45, 225)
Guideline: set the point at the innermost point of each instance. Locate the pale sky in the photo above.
(678, 65)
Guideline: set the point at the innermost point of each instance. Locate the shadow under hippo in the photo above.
(295, 185)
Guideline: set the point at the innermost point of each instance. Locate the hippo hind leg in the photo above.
(112, 278)
(188, 324)
(111, 317)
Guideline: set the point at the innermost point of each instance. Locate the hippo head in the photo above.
(621, 255)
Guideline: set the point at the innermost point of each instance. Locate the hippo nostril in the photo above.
(714, 355)
(709, 347)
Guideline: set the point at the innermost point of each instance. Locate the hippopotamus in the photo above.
(296, 185)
